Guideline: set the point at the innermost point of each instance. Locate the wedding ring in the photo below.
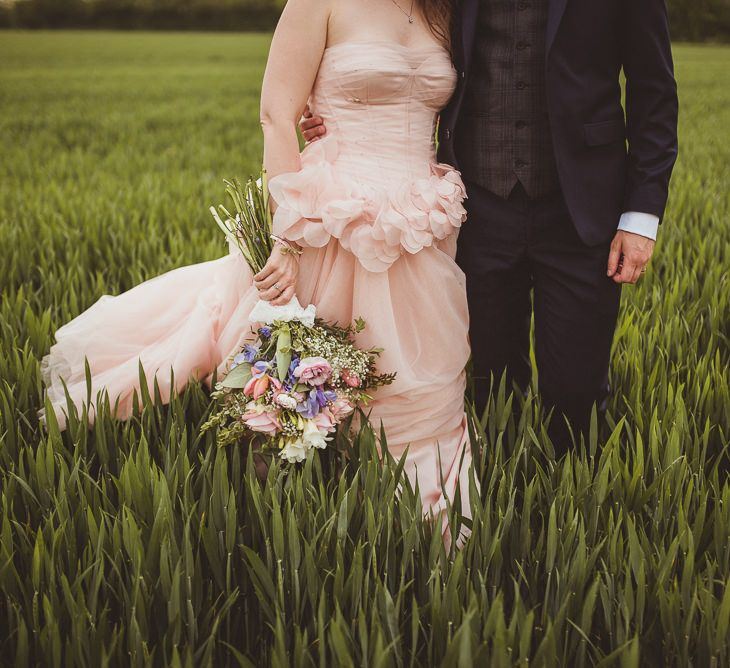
(276, 285)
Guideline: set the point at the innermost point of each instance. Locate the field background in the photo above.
(141, 544)
(692, 20)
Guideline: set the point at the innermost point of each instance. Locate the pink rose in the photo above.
(262, 419)
(340, 409)
(351, 379)
(313, 371)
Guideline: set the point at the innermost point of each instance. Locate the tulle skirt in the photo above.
(191, 320)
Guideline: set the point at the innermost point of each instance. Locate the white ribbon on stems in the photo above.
(267, 313)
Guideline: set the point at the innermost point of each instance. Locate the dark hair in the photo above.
(438, 15)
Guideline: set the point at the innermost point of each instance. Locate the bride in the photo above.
(367, 225)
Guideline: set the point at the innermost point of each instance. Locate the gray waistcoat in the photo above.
(503, 134)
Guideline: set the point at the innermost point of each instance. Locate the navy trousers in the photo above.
(523, 256)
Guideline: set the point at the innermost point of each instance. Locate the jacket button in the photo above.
(447, 134)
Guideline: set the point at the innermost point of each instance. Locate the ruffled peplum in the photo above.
(376, 224)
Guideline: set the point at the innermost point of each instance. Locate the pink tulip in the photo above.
(257, 386)
(259, 383)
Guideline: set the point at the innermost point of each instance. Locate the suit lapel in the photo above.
(555, 16)
(469, 12)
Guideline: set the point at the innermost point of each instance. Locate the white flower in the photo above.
(294, 451)
(286, 401)
(312, 436)
(266, 313)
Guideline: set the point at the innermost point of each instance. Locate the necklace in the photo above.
(409, 15)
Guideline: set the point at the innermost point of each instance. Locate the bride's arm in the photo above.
(296, 51)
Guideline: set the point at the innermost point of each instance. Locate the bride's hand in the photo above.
(276, 282)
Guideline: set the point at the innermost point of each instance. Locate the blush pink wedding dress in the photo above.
(378, 219)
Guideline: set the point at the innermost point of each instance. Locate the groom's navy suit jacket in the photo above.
(588, 43)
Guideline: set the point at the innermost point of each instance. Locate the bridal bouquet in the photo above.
(301, 377)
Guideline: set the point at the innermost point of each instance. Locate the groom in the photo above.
(566, 189)
(560, 202)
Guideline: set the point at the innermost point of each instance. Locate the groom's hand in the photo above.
(312, 127)
(630, 254)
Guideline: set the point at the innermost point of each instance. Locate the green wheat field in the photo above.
(142, 544)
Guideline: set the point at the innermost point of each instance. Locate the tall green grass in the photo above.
(141, 543)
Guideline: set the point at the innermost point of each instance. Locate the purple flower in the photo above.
(324, 396)
(291, 379)
(249, 353)
(265, 332)
(240, 358)
(320, 397)
(261, 366)
(310, 407)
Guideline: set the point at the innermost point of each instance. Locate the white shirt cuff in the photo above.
(645, 224)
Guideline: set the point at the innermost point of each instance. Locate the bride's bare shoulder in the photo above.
(351, 18)
(308, 10)
(303, 25)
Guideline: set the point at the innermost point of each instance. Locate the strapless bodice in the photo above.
(380, 100)
(373, 182)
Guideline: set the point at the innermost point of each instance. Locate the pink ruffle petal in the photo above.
(377, 226)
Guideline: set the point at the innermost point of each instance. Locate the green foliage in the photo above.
(700, 19)
(694, 20)
(142, 14)
(141, 543)
(249, 226)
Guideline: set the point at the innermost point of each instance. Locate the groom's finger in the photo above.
(312, 129)
(310, 122)
(637, 274)
(628, 272)
(614, 257)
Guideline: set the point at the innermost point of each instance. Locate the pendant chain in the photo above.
(409, 15)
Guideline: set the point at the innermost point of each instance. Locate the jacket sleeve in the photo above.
(651, 106)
